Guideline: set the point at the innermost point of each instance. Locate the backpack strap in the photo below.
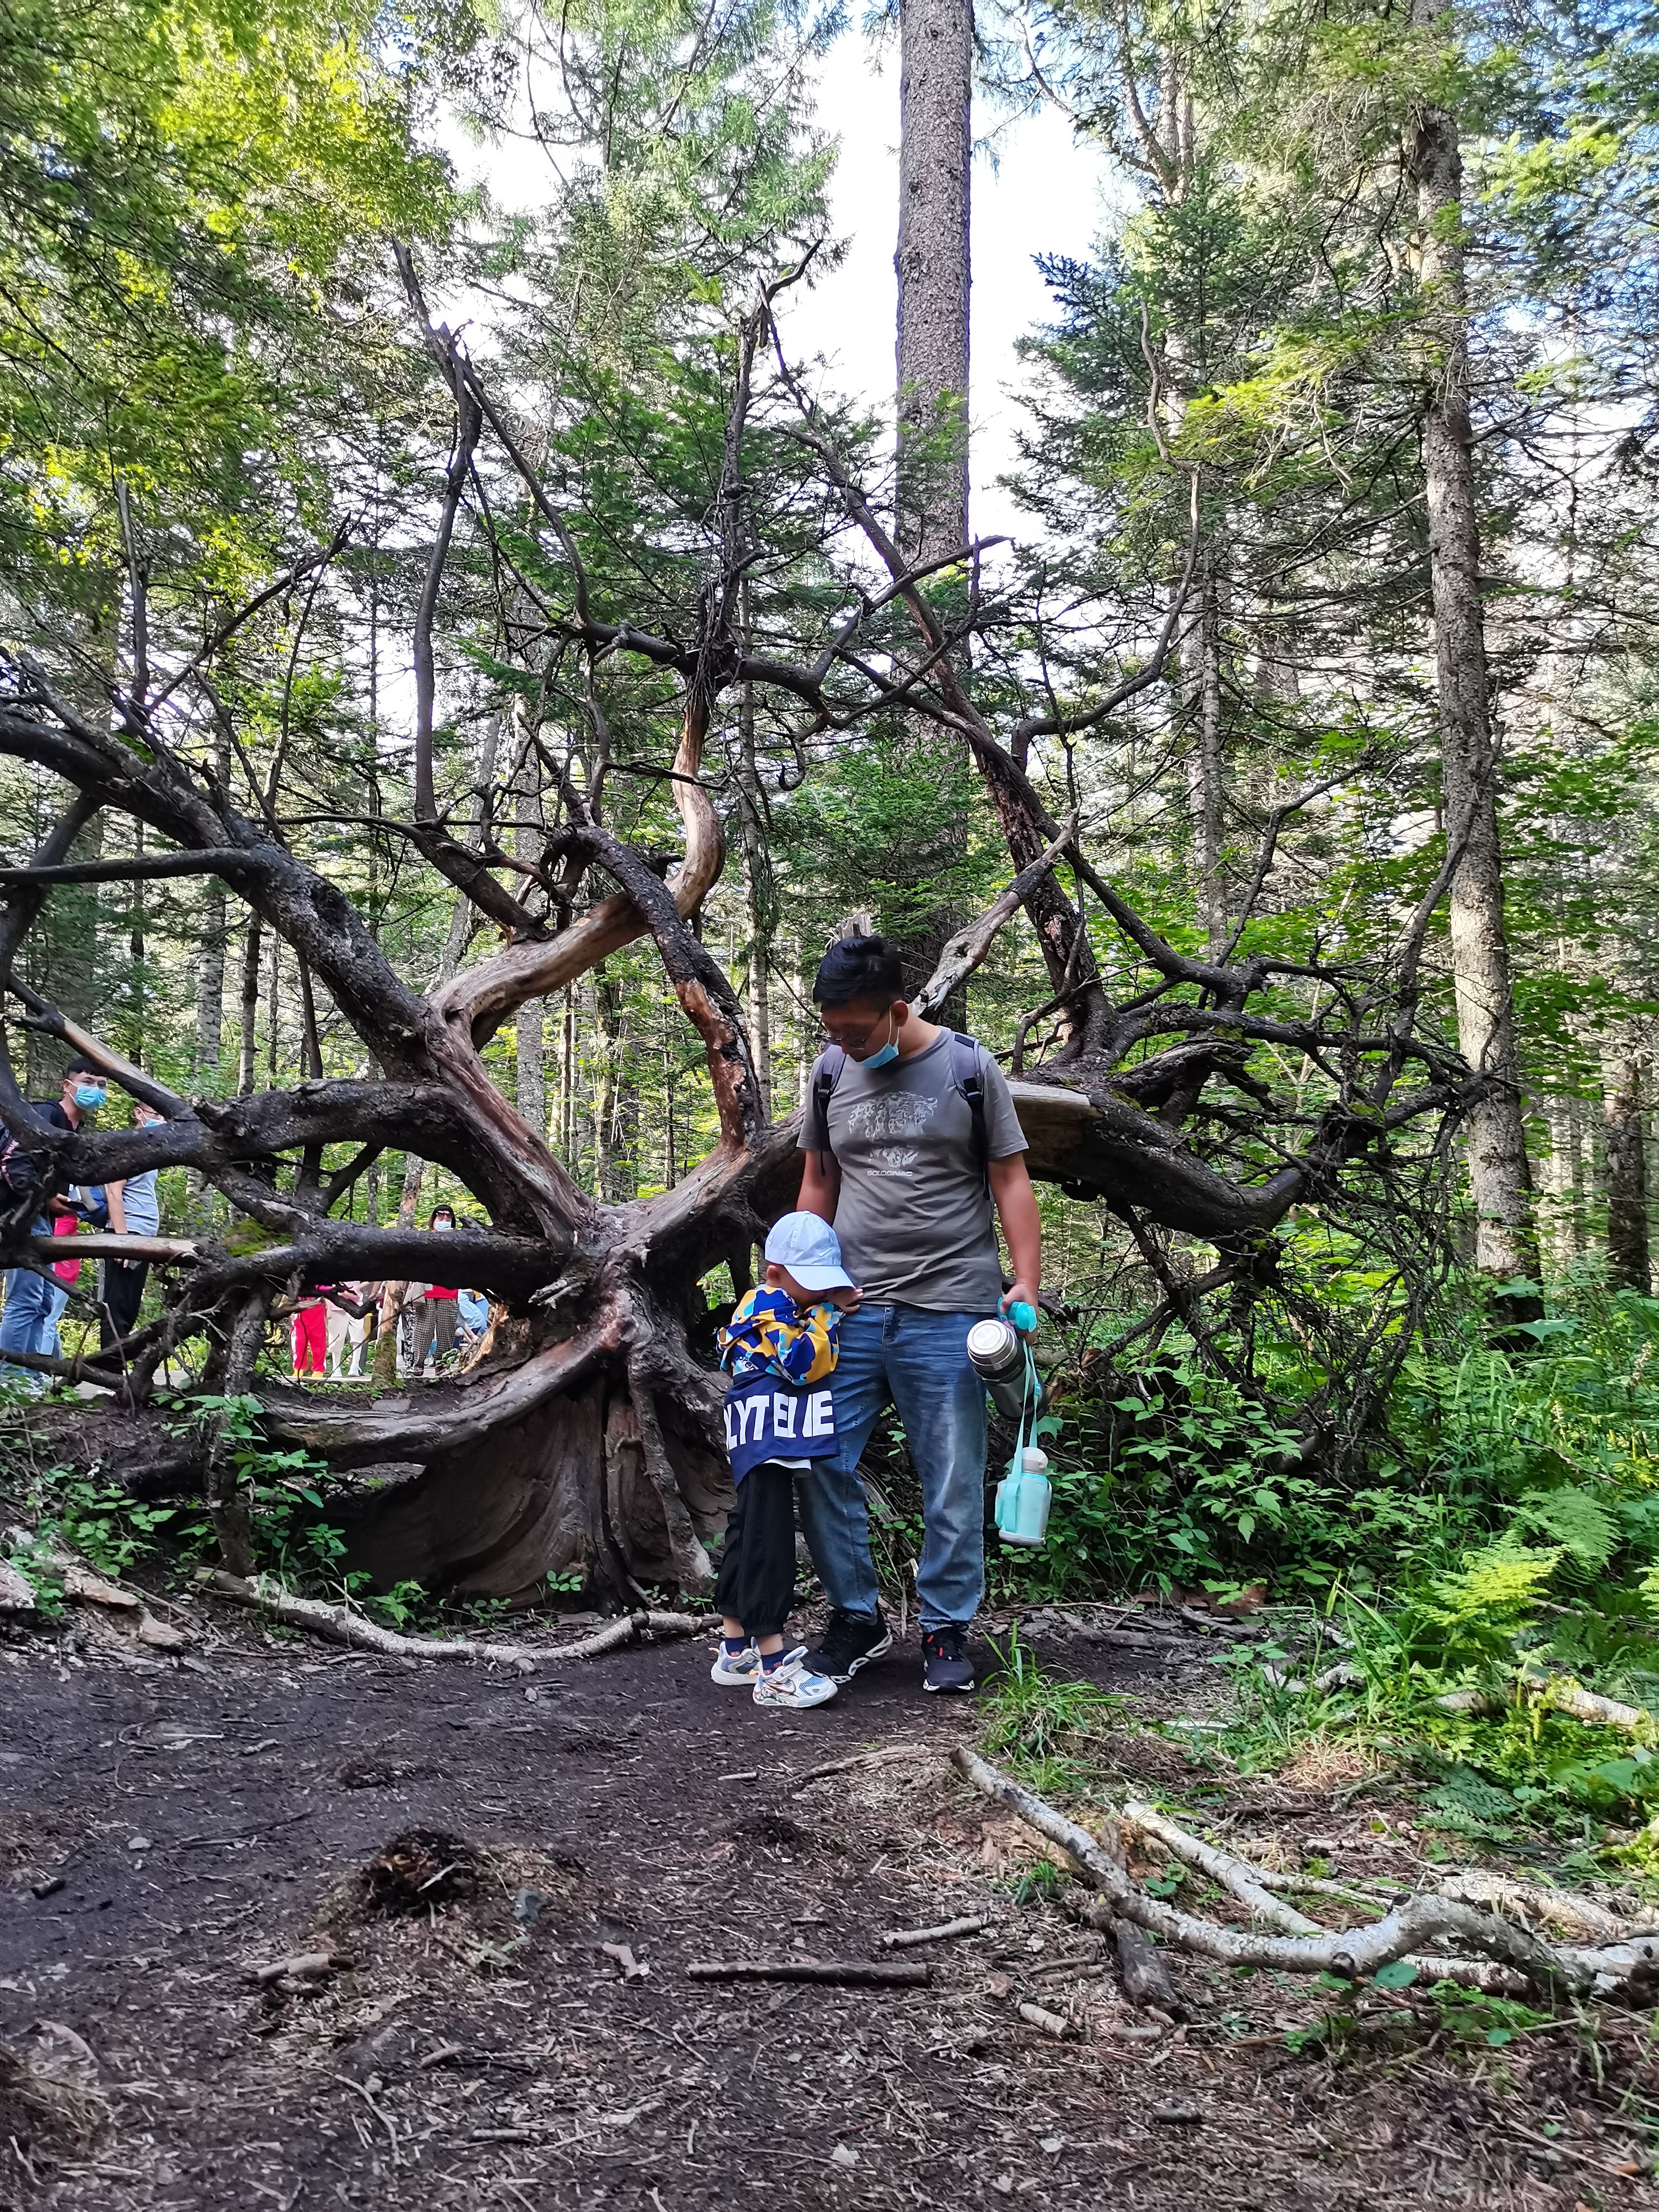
(965, 1074)
(832, 1061)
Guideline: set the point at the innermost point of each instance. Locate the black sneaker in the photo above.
(945, 1654)
(850, 1640)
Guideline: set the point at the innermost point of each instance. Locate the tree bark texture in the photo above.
(1506, 1244)
(1626, 1146)
(936, 90)
(1201, 708)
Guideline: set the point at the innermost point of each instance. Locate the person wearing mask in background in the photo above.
(434, 1319)
(134, 1206)
(34, 1301)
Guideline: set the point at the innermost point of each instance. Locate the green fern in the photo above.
(1491, 1586)
(1577, 1520)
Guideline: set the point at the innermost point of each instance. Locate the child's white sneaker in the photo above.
(793, 1683)
(735, 1670)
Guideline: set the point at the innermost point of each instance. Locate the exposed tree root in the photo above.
(1558, 1696)
(1405, 1933)
(340, 1623)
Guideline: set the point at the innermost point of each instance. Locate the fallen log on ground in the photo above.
(82, 1584)
(855, 1973)
(1558, 1696)
(1354, 1952)
(1245, 1882)
(1143, 1974)
(342, 1624)
(1504, 1893)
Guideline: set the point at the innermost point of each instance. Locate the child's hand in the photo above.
(844, 1300)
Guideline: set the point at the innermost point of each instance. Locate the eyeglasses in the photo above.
(852, 1040)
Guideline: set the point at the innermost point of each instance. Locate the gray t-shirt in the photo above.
(142, 1205)
(913, 1217)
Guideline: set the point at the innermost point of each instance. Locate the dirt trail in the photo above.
(204, 1823)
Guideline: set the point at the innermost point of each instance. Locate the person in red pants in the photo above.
(311, 1335)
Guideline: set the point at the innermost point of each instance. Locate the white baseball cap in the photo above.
(808, 1246)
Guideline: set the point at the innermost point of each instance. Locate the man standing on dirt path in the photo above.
(910, 1135)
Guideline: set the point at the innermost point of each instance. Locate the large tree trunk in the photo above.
(1506, 1244)
(934, 264)
(936, 90)
(1201, 703)
(1627, 1168)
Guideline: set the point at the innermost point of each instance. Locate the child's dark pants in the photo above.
(756, 1583)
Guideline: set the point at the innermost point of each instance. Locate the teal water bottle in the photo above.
(1023, 1497)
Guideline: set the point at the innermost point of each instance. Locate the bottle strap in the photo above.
(1029, 1404)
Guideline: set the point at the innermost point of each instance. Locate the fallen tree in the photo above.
(588, 1437)
(1503, 1958)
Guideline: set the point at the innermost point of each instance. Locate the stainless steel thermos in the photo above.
(1000, 1358)
(998, 1353)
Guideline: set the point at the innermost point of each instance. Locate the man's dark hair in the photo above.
(859, 967)
(445, 1208)
(84, 1067)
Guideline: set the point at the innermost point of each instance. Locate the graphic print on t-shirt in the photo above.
(898, 1115)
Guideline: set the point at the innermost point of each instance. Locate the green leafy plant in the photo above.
(1035, 1724)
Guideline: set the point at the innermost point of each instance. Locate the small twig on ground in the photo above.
(379, 2113)
(302, 1966)
(901, 1939)
(856, 1973)
(1052, 2023)
(632, 1971)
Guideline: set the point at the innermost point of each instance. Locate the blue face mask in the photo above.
(90, 1095)
(888, 1053)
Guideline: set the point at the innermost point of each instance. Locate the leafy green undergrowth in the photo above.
(165, 1544)
(1180, 1477)
(1084, 1752)
(1516, 1773)
(1036, 1725)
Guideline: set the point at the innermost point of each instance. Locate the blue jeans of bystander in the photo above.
(917, 1361)
(29, 1323)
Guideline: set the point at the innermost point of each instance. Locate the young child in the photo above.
(779, 1348)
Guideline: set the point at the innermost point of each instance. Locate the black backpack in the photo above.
(964, 1074)
(20, 1176)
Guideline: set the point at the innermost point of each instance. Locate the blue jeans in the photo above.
(916, 1361)
(29, 1323)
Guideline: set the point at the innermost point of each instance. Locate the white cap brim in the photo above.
(818, 1279)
